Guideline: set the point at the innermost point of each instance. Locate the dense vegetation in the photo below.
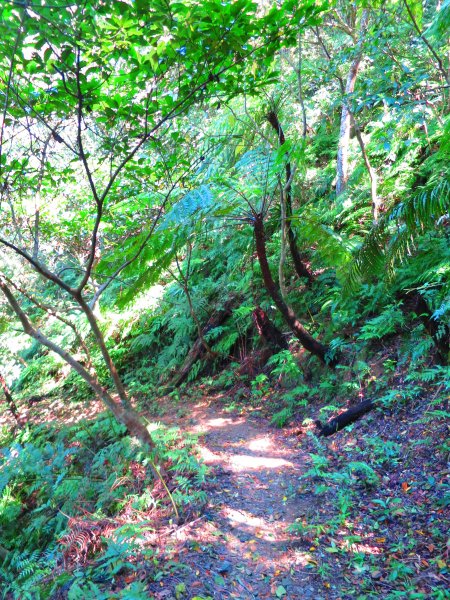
(219, 196)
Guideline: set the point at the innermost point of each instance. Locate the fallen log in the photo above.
(346, 418)
(198, 349)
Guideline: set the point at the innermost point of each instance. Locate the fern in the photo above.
(393, 240)
(364, 472)
(384, 324)
(195, 203)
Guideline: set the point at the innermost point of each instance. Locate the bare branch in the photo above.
(52, 312)
(441, 67)
(38, 266)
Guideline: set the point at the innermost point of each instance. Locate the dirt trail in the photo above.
(240, 547)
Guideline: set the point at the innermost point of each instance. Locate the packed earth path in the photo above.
(240, 546)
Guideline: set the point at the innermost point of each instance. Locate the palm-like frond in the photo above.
(198, 200)
(392, 240)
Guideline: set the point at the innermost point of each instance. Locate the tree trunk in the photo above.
(198, 349)
(10, 400)
(183, 280)
(124, 414)
(344, 133)
(268, 331)
(300, 268)
(305, 338)
(92, 319)
(376, 203)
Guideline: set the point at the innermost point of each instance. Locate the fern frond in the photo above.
(369, 260)
(378, 253)
(424, 209)
(197, 200)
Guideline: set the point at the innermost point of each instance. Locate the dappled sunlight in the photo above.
(257, 526)
(219, 422)
(303, 559)
(204, 425)
(243, 462)
(263, 451)
(356, 548)
(364, 546)
(261, 444)
(208, 456)
(60, 411)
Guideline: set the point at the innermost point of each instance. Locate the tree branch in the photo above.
(38, 266)
(427, 43)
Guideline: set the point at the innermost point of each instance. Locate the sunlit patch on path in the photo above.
(241, 542)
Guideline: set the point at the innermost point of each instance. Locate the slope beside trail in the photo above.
(240, 546)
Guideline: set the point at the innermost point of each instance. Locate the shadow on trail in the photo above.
(241, 547)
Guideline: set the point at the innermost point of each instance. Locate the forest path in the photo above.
(240, 547)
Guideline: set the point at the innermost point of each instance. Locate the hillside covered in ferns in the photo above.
(219, 218)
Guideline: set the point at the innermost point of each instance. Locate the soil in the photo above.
(390, 538)
(240, 547)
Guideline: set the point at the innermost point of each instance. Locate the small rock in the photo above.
(224, 567)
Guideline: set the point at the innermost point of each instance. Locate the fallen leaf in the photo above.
(375, 574)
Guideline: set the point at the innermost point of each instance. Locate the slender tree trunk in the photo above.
(10, 400)
(376, 204)
(183, 281)
(344, 132)
(299, 264)
(300, 86)
(125, 414)
(92, 319)
(305, 338)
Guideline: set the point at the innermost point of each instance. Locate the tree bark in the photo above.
(344, 132)
(10, 400)
(376, 204)
(268, 331)
(104, 350)
(198, 349)
(346, 418)
(305, 338)
(300, 268)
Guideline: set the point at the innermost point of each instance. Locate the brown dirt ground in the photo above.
(240, 546)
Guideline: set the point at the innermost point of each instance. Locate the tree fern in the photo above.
(393, 240)
(199, 200)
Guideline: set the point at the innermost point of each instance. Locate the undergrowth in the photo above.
(78, 505)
